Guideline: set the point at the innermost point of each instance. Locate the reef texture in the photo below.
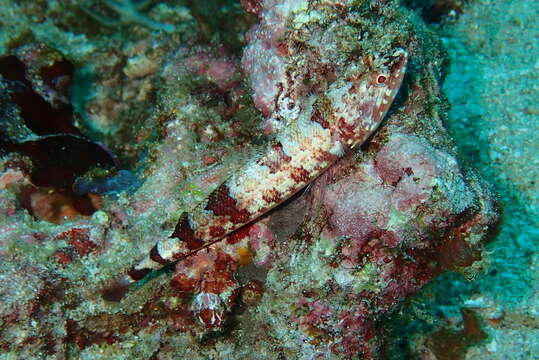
(309, 280)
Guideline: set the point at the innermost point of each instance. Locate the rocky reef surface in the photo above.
(117, 117)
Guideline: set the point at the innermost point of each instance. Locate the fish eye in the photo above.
(381, 79)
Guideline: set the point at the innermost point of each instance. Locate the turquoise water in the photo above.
(492, 87)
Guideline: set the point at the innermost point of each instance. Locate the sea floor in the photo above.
(493, 89)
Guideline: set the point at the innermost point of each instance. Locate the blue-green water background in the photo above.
(493, 90)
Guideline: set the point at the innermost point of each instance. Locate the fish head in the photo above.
(361, 105)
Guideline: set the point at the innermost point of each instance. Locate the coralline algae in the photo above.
(312, 278)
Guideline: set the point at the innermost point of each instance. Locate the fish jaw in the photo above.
(360, 104)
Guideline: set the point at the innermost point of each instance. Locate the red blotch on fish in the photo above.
(184, 232)
(222, 204)
(300, 175)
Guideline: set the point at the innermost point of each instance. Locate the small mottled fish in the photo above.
(343, 117)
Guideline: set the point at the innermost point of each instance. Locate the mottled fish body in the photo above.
(344, 116)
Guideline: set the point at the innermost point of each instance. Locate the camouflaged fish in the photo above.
(347, 113)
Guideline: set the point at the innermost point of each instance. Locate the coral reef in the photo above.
(309, 280)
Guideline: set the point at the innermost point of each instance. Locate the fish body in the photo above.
(342, 117)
